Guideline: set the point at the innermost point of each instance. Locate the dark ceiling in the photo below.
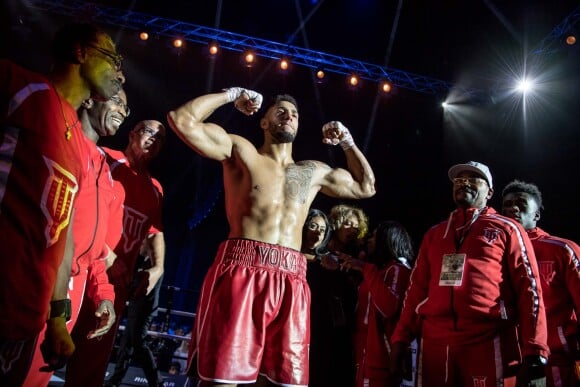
(408, 138)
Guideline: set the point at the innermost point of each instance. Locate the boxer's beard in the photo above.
(281, 136)
(284, 137)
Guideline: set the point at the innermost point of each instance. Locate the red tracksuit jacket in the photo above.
(559, 266)
(499, 282)
(380, 298)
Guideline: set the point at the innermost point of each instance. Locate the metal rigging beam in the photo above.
(237, 42)
(273, 50)
(550, 43)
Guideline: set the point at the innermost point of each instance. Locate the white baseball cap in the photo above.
(472, 166)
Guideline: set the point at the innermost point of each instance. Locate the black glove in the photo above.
(532, 372)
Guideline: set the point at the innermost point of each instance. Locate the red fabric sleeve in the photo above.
(524, 275)
(572, 277)
(115, 224)
(387, 288)
(407, 328)
(157, 219)
(98, 286)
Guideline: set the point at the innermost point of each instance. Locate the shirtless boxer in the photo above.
(253, 312)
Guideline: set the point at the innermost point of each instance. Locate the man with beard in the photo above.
(253, 312)
(475, 279)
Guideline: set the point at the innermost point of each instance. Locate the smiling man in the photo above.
(474, 281)
(96, 230)
(103, 118)
(141, 219)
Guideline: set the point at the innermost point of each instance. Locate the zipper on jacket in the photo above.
(452, 307)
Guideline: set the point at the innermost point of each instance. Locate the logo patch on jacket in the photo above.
(57, 199)
(479, 381)
(490, 234)
(133, 227)
(547, 270)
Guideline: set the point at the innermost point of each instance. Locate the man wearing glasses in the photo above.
(115, 59)
(141, 220)
(475, 279)
(44, 163)
(96, 230)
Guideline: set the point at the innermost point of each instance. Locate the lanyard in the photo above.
(466, 228)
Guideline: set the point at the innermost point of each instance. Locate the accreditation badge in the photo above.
(452, 269)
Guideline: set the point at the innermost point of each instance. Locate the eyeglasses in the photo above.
(468, 180)
(153, 133)
(119, 102)
(116, 58)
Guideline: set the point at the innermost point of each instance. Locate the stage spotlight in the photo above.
(353, 80)
(144, 36)
(213, 48)
(571, 40)
(320, 75)
(525, 86)
(385, 87)
(284, 64)
(444, 104)
(249, 58)
(178, 43)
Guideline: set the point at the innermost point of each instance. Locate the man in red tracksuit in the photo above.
(141, 219)
(97, 226)
(475, 279)
(559, 265)
(43, 157)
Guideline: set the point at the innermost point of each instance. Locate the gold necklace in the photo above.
(68, 132)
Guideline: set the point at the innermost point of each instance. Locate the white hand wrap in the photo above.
(335, 133)
(347, 141)
(233, 93)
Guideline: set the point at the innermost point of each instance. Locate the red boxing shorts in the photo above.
(253, 316)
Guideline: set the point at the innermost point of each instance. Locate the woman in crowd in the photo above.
(350, 225)
(386, 274)
(330, 360)
(315, 235)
